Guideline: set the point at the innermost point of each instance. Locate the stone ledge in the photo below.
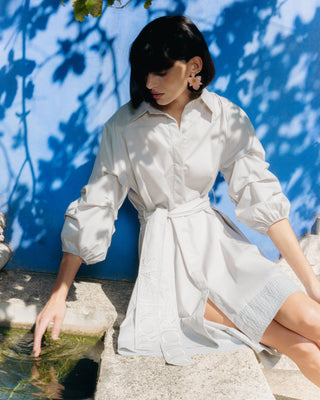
(93, 306)
(288, 383)
(220, 376)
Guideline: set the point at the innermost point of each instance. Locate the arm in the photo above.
(55, 309)
(285, 240)
(88, 228)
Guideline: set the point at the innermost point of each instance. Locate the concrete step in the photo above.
(94, 307)
(288, 383)
(221, 376)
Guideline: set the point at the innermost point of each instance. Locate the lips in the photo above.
(156, 95)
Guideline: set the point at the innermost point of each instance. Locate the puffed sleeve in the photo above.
(89, 221)
(254, 190)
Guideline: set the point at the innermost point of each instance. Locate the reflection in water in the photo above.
(67, 368)
(51, 389)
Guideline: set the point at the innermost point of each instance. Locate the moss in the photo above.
(54, 372)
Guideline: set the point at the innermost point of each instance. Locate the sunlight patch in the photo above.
(252, 47)
(283, 23)
(56, 184)
(222, 83)
(298, 73)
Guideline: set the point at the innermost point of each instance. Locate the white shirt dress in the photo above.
(189, 251)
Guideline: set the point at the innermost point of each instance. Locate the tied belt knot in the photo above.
(156, 314)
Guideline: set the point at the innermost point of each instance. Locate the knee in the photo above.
(311, 318)
(306, 353)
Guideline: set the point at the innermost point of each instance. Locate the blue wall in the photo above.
(60, 80)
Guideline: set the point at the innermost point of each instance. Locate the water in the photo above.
(66, 369)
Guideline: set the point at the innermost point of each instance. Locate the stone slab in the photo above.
(92, 305)
(220, 376)
(288, 383)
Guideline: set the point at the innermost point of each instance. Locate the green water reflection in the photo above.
(66, 369)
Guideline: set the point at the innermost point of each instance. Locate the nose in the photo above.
(151, 81)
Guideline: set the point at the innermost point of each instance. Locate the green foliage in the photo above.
(94, 7)
(147, 4)
(82, 8)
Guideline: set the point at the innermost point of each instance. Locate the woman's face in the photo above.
(170, 86)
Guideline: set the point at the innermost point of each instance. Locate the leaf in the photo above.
(77, 62)
(24, 67)
(147, 4)
(94, 7)
(80, 10)
(29, 90)
(61, 72)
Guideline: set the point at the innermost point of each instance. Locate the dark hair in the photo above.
(160, 43)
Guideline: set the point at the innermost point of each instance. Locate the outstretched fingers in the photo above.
(42, 324)
(51, 313)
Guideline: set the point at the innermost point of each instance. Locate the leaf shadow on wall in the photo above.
(257, 82)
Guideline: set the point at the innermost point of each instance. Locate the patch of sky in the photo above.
(222, 83)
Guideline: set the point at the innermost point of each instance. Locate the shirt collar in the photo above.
(206, 97)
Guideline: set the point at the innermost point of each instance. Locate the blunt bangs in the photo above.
(157, 47)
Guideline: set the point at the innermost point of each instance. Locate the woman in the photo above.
(201, 284)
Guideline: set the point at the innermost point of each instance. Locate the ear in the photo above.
(195, 65)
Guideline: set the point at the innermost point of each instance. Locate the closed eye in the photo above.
(162, 73)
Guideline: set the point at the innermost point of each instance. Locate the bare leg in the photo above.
(301, 314)
(304, 352)
(212, 313)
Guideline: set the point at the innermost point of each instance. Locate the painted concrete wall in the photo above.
(60, 80)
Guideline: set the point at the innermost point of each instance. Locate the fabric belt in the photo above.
(156, 314)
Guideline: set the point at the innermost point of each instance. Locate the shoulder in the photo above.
(222, 107)
(122, 116)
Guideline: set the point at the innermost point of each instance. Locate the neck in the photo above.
(175, 109)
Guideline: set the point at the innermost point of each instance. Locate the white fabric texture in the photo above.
(189, 252)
